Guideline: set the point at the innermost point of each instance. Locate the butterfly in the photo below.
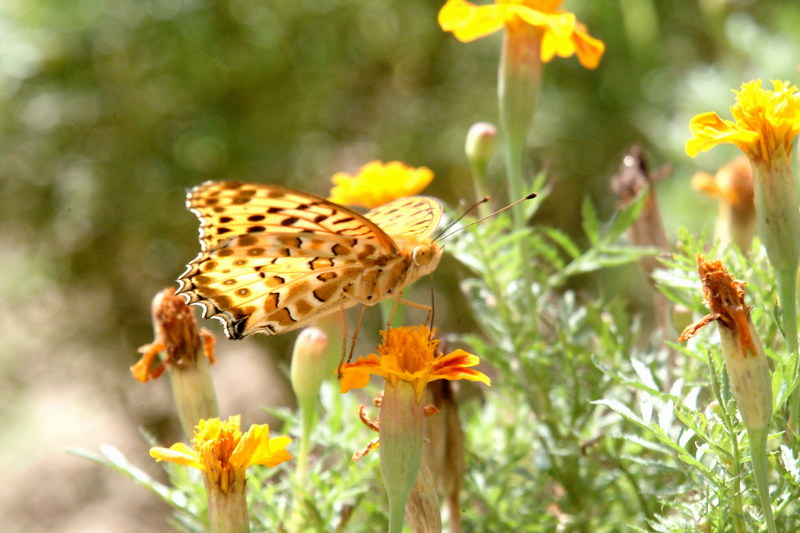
(273, 259)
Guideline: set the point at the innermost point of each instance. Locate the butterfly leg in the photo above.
(344, 342)
(394, 309)
(352, 343)
(355, 333)
(427, 308)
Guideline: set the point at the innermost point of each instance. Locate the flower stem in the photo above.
(778, 223)
(518, 90)
(193, 391)
(758, 458)
(227, 511)
(401, 447)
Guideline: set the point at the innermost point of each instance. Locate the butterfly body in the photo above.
(275, 259)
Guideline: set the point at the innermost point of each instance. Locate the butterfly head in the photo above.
(425, 257)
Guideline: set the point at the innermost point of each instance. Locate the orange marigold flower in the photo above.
(733, 186)
(409, 354)
(765, 122)
(562, 35)
(377, 183)
(224, 453)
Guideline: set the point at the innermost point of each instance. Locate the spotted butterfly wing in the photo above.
(273, 259)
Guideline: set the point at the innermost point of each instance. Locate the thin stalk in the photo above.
(758, 459)
(738, 505)
(519, 79)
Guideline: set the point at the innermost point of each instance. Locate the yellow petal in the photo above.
(469, 22)
(256, 448)
(178, 453)
(710, 130)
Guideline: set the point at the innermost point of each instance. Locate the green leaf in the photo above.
(589, 221)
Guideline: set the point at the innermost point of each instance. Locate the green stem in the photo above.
(758, 458)
(401, 447)
(738, 504)
(307, 414)
(297, 521)
(778, 223)
(194, 394)
(519, 79)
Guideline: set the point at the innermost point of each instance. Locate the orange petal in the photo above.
(588, 49)
(356, 375)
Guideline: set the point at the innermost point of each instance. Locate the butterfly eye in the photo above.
(418, 256)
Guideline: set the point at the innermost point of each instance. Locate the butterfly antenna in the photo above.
(462, 215)
(531, 196)
(433, 303)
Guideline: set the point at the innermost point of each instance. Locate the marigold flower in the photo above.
(407, 360)
(561, 34)
(409, 354)
(732, 185)
(765, 122)
(377, 183)
(223, 453)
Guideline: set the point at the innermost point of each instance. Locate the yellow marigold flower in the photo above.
(223, 452)
(765, 122)
(409, 354)
(377, 183)
(562, 35)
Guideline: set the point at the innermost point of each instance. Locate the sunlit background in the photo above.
(111, 109)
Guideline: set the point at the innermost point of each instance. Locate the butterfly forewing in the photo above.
(274, 259)
(415, 216)
(230, 208)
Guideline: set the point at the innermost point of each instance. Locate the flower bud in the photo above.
(481, 141)
(308, 364)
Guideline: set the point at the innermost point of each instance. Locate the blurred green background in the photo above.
(111, 109)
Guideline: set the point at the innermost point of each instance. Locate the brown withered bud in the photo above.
(176, 335)
(648, 230)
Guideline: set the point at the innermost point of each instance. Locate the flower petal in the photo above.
(468, 22)
(455, 366)
(377, 184)
(710, 130)
(355, 375)
(256, 448)
(588, 49)
(178, 453)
